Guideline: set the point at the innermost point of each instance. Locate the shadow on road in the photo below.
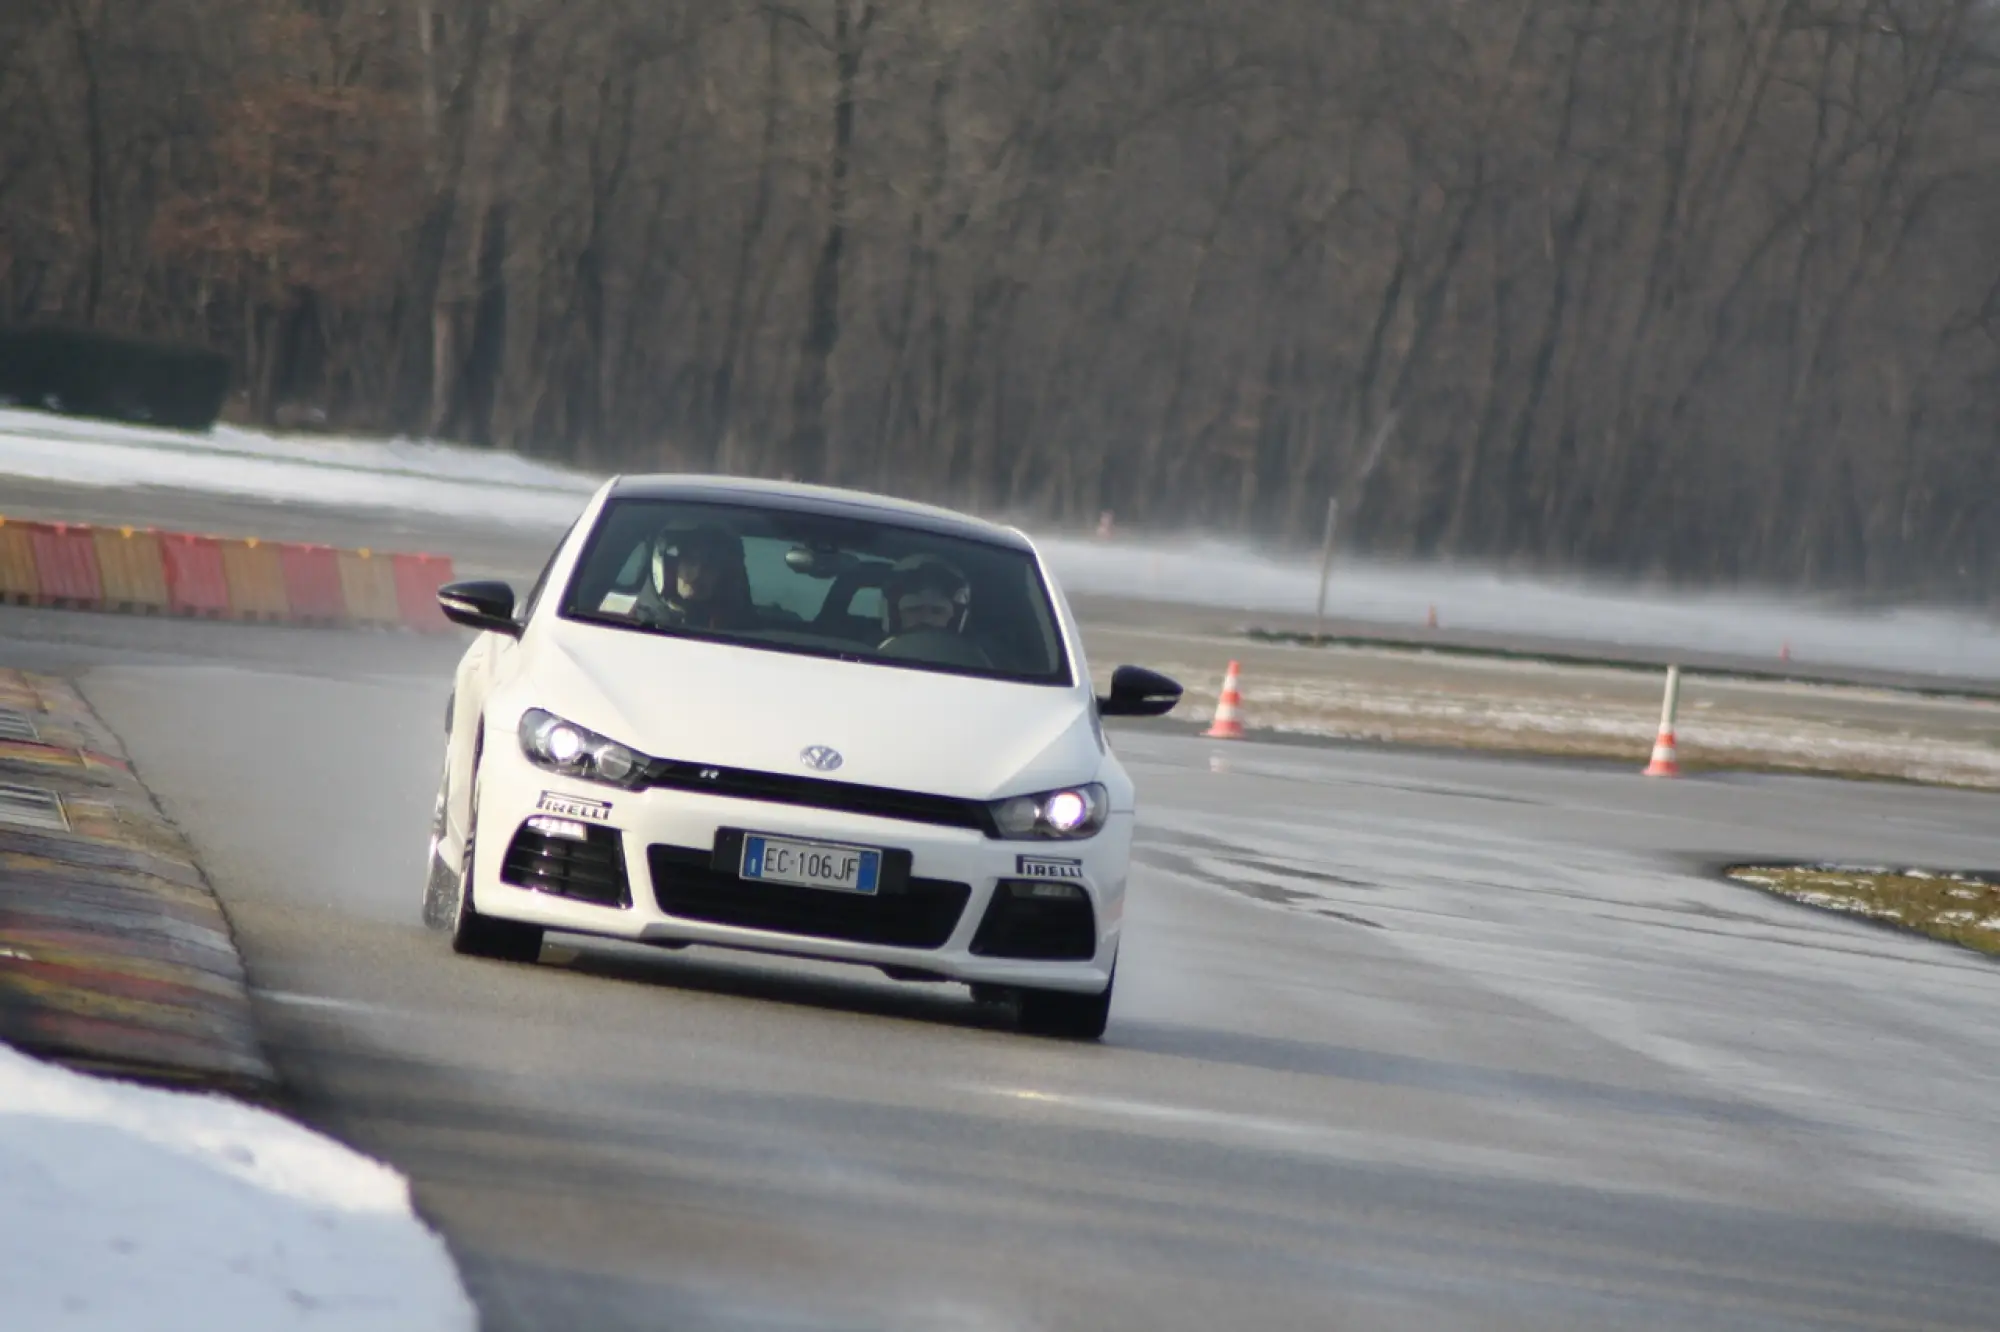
(708, 973)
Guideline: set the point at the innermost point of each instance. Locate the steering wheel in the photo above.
(938, 647)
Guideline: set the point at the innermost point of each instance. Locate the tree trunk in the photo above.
(815, 447)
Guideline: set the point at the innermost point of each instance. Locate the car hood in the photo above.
(741, 707)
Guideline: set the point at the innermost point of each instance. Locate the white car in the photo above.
(793, 720)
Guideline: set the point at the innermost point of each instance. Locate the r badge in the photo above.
(573, 807)
(1047, 867)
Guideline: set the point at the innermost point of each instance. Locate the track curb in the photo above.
(115, 955)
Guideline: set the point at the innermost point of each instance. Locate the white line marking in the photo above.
(1376, 1145)
(296, 1000)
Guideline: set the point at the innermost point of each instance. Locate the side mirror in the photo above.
(486, 604)
(1138, 692)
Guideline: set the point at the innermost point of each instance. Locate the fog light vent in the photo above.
(588, 868)
(1038, 920)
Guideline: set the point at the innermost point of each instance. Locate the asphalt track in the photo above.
(1401, 1041)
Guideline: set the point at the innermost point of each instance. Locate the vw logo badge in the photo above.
(820, 758)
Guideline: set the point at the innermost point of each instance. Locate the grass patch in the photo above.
(1951, 905)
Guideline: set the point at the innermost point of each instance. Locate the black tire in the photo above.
(474, 935)
(1064, 1016)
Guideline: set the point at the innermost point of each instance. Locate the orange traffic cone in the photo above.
(1666, 763)
(1229, 708)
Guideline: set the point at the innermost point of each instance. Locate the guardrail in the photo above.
(143, 571)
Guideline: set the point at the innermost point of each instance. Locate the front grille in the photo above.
(1040, 929)
(590, 870)
(923, 914)
(817, 793)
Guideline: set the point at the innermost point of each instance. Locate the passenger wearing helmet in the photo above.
(923, 592)
(697, 581)
(925, 605)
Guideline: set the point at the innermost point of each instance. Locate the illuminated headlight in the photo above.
(566, 748)
(1071, 813)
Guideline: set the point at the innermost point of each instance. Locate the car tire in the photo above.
(440, 895)
(474, 935)
(441, 887)
(1064, 1016)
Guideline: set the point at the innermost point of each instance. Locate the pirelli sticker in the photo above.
(574, 807)
(1047, 867)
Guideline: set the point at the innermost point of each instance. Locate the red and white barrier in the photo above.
(19, 583)
(183, 573)
(66, 565)
(256, 578)
(418, 578)
(197, 584)
(132, 569)
(312, 583)
(369, 584)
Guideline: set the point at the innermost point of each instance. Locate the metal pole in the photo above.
(1666, 756)
(1670, 705)
(1326, 562)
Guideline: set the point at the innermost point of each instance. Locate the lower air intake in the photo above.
(1024, 922)
(921, 915)
(590, 868)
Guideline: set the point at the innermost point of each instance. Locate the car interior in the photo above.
(819, 586)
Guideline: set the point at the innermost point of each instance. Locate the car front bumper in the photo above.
(684, 825)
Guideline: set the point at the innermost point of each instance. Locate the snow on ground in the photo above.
(1216, 573)
(124, 1207)
(510, 489)
(393, 474)
(1581, 712)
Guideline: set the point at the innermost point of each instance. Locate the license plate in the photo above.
(846, 869)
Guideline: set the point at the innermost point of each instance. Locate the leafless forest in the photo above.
(1700, 288)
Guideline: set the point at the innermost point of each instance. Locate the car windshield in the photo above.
(835, 585)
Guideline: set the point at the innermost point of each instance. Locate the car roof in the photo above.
(799, 498)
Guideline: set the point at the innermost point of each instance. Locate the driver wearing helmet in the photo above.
(925, 605)
(697, 581)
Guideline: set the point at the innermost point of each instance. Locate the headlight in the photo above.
(1066, 815)
(566, 748)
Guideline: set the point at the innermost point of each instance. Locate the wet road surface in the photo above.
(1401, 1041)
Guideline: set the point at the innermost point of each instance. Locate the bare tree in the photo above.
(1706, 290)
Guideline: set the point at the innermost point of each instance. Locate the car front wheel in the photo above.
(441, 888)
(475, 935)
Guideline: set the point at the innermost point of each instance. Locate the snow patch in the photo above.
(1229, 576)
(394, 473)
(124, 1206)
